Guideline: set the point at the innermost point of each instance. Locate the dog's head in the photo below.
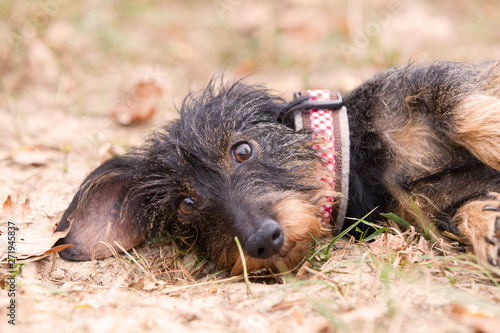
(230, 166)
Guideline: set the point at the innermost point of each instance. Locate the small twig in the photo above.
(54, 256)
(453, 236)
(113, 252)
(131, 257)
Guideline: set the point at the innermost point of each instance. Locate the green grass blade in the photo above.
(391, 216)
(375, 234)
(343, 233)
(244, 263)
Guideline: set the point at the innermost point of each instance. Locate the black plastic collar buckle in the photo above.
(334, 103)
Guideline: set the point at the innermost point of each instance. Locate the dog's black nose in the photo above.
(266, 241)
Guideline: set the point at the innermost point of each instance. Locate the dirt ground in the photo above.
(66, 65)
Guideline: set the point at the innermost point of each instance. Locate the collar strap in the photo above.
(326, 117)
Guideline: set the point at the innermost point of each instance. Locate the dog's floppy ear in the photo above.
(103, 211)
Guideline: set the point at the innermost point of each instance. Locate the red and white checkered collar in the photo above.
(326, 118)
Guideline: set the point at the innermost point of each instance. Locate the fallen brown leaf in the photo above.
(469, 310)
(283, 305)
(138, 104)
(35, 155)
(475, 318)
(139, 285)
(58, 248)
(34, 233)
(298, 315)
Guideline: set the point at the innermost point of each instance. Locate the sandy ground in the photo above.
(66, 65)
(355, 294)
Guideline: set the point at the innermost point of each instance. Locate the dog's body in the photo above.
(232, 165)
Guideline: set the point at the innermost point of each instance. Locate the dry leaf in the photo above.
(137, 105)
(298, 315)
(58, 248)
(139, 285)
(284, 305)
(470, 310)
(31, 233)
(35, 155)
(475, 318)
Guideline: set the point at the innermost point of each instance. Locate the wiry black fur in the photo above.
(191, 157)
(431, 93)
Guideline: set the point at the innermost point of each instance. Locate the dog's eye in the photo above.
(187, 206)
(242, 151)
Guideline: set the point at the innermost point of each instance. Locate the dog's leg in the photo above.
(479, 223)
(476, 126)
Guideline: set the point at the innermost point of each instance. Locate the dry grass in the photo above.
(356, 289)
(64, 66)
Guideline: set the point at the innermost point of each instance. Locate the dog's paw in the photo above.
(479, 223)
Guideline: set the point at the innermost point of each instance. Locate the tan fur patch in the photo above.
(477, 225)
(493, 85)
(478, 127)
(412, 144)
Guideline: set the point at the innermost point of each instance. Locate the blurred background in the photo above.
(66, 67)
